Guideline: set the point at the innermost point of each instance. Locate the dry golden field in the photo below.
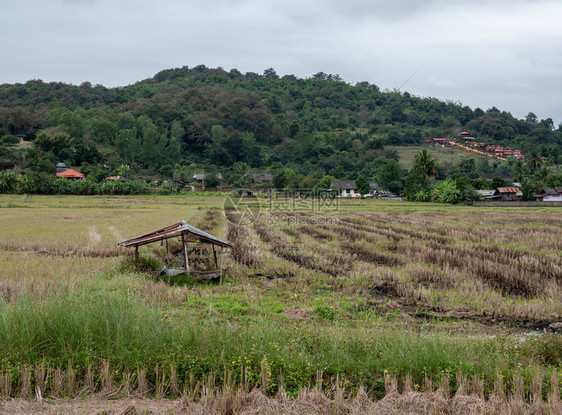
(346, 296)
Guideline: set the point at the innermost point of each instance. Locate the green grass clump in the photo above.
(144, 263)
(108, 320)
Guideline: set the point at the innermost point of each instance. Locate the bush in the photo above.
(145, 263)
(446, 192)
(40, 183)
(8, 181)
(9, 140)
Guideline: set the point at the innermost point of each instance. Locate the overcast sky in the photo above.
(503, 53)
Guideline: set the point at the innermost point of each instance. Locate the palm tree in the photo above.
(541, 177)
(518, 170)
(533, 160)
(424, 160)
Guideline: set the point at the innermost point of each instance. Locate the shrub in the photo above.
(446, 192)
(9, 140)
(145, 263)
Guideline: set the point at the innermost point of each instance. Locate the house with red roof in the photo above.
(70, 174)
(508, 193)
(440, 141)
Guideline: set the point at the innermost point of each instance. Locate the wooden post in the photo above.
(136, 253)
(185, 253)
(215, 255)
(220, 270)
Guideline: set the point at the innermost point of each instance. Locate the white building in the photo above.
(348, 188)
(550, 194)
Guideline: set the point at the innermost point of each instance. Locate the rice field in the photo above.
(348, 298)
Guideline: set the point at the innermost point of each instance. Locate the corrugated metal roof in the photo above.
(508, 190)
(172, 231)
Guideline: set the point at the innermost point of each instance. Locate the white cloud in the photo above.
(501, 53)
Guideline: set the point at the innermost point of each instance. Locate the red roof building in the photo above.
(509, 193)
(71, 174)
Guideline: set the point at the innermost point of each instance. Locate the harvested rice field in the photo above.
(352, 307)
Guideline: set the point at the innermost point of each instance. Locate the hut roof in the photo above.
(343, 184)
(69, 173)
(507, 190)
(172, 231)
(258, 178)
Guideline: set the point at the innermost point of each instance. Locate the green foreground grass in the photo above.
(107, 319)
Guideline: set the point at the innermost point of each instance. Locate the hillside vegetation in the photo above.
(229, 121)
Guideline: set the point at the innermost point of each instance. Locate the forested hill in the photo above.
(213, 117)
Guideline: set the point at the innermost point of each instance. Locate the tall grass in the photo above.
(88, 323)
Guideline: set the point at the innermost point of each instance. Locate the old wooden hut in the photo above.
(188, 234)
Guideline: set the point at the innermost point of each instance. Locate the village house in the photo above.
(260, 178)
(348, 188)
(486, 194)
(508, 194)
(116, 179)
(242, 192)
(440, 141)
(466, 137)
(70, 174)
(550, 194)
(200, 177)
(60, 168)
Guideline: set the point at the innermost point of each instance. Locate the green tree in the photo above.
(325, 182)
(212, 179)
(497, 182)
(173, 151)
(284, 178)
(149, 145)
(363, 186)
(541, 177)
(518, 170)
(45, 164)
(240, 174)
(60, 144)
(533, 160)
(425, 162)
(390, 172)
(128, 145)
(416, 181)
(177, 131)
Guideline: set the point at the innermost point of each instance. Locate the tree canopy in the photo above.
(316, 126)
